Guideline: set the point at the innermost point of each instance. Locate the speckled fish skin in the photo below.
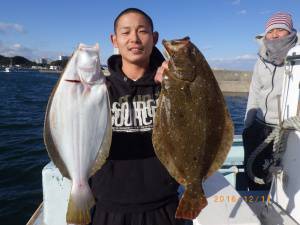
(77, 128)
(193, 130)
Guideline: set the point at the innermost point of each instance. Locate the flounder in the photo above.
(193, 130)
(77, 128)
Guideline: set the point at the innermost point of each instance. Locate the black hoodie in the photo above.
(133, 179)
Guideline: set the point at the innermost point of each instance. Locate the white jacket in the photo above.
(266, 85)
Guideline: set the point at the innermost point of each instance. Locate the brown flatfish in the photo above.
(193, 130)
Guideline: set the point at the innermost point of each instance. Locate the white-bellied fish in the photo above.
(193, 130)
(77, 129)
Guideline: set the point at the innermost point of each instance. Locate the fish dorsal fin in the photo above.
(49, 143)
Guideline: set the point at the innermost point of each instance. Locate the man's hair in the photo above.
(134, 10)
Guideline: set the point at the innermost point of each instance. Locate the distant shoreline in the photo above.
(231, 82)
(50, 71)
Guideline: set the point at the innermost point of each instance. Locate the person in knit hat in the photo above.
(262, 107)
(279, 20)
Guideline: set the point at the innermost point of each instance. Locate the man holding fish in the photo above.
(136, 157)
(133, 187)
(139, 181)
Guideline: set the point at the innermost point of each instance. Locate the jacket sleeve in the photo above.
(253, 98)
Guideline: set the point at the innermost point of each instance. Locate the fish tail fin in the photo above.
(191, 203)
(80, 202)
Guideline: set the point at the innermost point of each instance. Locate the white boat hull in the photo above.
(221, 195)
(286, 188)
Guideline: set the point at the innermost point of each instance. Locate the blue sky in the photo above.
(223, 30)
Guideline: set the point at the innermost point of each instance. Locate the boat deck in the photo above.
(233, 206)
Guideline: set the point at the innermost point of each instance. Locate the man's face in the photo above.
(134, 38)
(276, 33)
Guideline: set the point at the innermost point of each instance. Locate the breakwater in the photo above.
(231, 81)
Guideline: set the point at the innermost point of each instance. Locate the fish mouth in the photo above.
(173, 53)
(83, 47)
(173, 46)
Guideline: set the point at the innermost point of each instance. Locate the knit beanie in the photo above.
(280, 20)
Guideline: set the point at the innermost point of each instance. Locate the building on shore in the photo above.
(63, 57)
(43, 61)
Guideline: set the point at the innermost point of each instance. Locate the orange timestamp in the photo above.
(246, 198)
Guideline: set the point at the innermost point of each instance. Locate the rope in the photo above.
(279, 135)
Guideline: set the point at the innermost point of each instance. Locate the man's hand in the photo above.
(160, 71)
